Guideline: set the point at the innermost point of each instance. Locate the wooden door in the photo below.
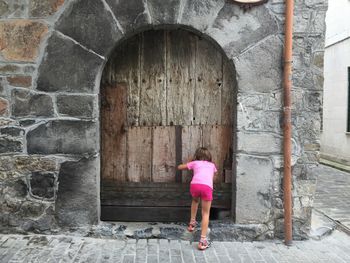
(163, 95)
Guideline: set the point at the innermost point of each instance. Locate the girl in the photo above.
(201, 189)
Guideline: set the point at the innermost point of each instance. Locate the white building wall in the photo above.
(335, 141)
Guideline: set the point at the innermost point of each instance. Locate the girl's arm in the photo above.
(182, 166)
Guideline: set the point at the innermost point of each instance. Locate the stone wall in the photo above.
(52, 54)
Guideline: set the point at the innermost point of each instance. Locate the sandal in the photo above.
(191, 226)
(203, 244)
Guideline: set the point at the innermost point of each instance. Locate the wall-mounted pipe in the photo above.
(287, 129)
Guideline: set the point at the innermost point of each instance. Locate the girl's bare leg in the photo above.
(194, 208)
(205, 217)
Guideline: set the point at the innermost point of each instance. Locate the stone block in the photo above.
(318, 60)
(12, 8)
(250, 119)
(34, 163)
(6, 163)
(2, 87)
(20, 81)
(305, 78)
(318, 22)
(6, 122)
(15, 192)
(315, 3)
(304, 187)
(9, 68)
(29, 104)
(264, 60)
(21, 165)
(32, 209)
(310, 157)
(236, 30)
(46, 222)
(89, 23)
(262, 143)
(44, 8)
(297, 99)
(12, 131)
(42, 185)
(163, 12)
(302, 20)
(201, 14)
(278, 8)
(4, 104)
(255, 101)
(77, 197)
(21, 39)
(76, 106)
(26, 123)
(300, 228)
(63, 136)
(307, 127)
(253, 199)
(131, 14)
(8, 145)
(67, 67)
(305, 172)
(313, 100)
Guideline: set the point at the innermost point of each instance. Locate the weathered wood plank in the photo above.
(191, 140)
(161, 196)
(113, 121)
(181, 51)
(139, 154)
(153, 79)
(207, 106)
(164, 154)
(145, 214)
(228, 175)
(133, 76)
(218, 140)
(159, 201)
(152, 186)
(227, 94)
(124, 66)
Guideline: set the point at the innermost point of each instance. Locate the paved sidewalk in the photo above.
(333, 194)
(332, 199)
(38, 248)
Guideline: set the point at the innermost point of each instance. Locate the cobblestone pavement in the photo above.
(39, 248)
(333, 194)
(332, 199)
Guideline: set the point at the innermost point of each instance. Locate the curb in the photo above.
(342, 167)
(337, 225)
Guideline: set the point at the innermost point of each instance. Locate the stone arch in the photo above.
(86, 33)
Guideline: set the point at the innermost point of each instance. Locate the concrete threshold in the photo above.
(218, 230)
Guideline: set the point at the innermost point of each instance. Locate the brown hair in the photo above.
(202, 154)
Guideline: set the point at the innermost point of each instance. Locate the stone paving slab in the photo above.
(333, 194)
(40, 248)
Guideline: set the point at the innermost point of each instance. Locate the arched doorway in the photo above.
(163, 94)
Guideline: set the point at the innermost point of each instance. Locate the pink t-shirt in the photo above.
(203, 172)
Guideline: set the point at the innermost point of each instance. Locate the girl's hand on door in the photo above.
(182, 166)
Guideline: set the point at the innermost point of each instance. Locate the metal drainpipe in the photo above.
(287, 130)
